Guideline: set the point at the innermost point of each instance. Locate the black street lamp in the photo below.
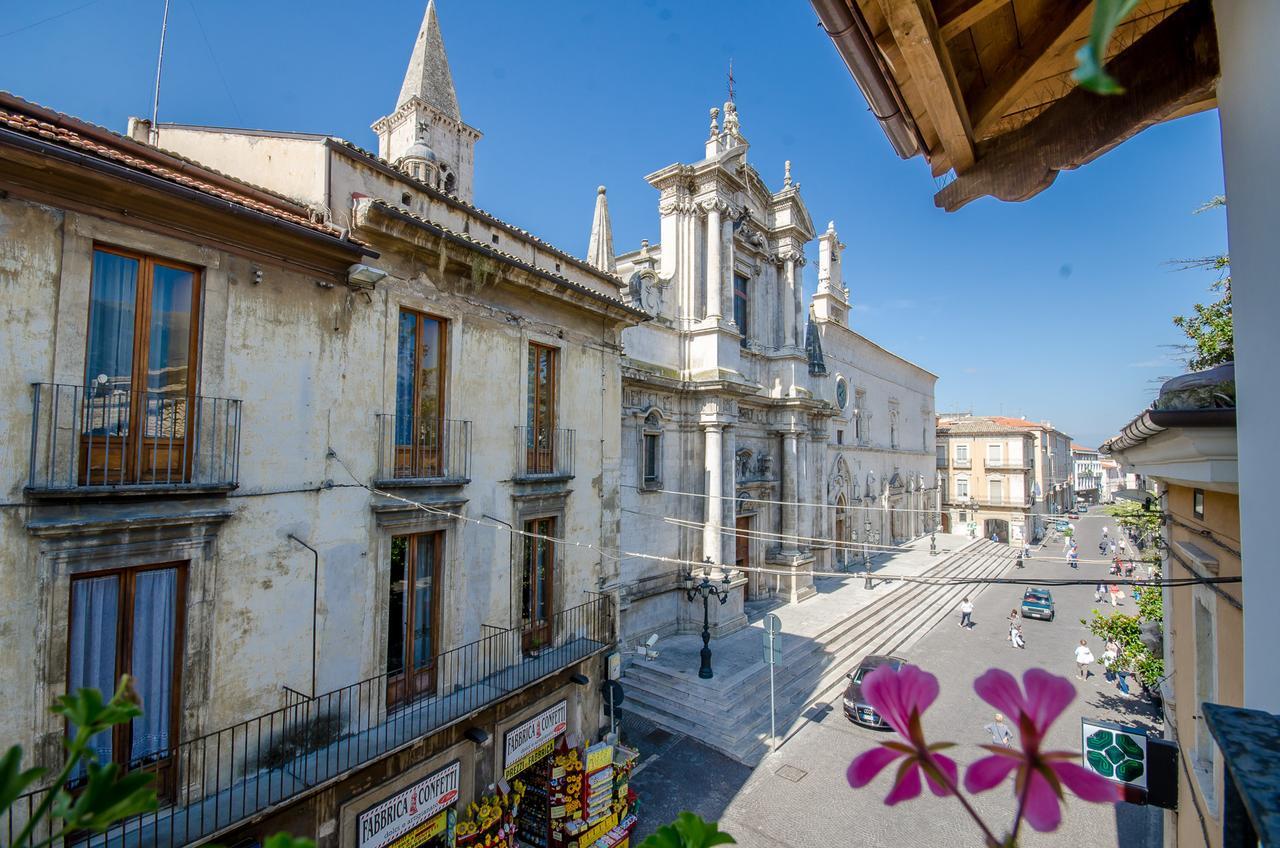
(707, 590)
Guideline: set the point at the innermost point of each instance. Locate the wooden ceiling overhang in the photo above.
(986, 89)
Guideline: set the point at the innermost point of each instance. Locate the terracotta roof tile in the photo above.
(67, 136)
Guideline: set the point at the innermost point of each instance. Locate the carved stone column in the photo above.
(796, 305)
(789, 317)
(715, 272)
(713, 469)
(790, 463)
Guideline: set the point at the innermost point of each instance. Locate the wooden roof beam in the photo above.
(1064, 23)
(958, 15)
(1170, 68)
(915, 29)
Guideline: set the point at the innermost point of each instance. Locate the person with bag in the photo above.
(1084, 659)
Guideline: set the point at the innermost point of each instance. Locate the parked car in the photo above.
(855, 707)
(1073, 515)
(1037, 603)
(1062, 526)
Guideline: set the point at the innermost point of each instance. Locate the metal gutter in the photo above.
(845, 26)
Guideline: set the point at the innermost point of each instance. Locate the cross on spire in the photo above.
(732, 93)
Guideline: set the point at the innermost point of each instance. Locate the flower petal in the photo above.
(1085, 784)
(1042, 810)
(999, 689)
(896, 695)
(1047, 696)
(868, 764)
(988, 772)
(948, 767)
(907, 785)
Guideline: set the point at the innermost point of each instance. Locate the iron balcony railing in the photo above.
(104, 437)
(411, 451)
(544, 452)
(227, 777)
(1007, 464)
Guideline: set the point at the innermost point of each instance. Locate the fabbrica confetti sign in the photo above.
(381, 825)
(1117, 753)
(534, 733)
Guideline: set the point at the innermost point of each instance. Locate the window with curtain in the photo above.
(139, 366)
(413, 614)
(540, 409)
(962, 487)
(536, 581)
(420, 394)
(129, 622)
(741, 305)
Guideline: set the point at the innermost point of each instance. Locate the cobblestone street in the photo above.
(798, 796)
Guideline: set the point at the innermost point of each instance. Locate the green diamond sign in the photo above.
(1117, 753)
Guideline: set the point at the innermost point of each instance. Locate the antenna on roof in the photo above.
(732, 92)
(155, 102)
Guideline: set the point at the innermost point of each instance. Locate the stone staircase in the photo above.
(731, 713)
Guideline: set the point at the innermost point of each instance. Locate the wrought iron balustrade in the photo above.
(229, 776)
(104, 437)
(544, 452)
(411, 450)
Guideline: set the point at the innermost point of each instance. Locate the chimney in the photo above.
(140, 129)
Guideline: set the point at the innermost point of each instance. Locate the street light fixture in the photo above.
(707, 590)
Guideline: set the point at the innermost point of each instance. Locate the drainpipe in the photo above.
(844, 24)
(315, 602)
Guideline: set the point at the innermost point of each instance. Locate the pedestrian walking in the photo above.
(1105, 531)
(1110, 655)
(1084, 659)
(1116, 595)
(1074, 558)
(1123, 546)
(1015, 636)
(966, 613)
(1111, 549)
(1000, 733)
(1066, 543)
(995, 538)
(1098, 592)
(1026, 551)
(1013, 621)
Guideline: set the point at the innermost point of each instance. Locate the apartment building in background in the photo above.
(1086, 473)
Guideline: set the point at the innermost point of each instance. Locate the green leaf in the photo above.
(108, 797)
(12, 779)
(688, 831)
(1089, 72)
(86, 710)
(284, 840)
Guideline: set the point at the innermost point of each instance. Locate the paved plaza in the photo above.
(798, 796)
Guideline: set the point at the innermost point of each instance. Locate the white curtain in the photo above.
(154, 630)
(94, 605)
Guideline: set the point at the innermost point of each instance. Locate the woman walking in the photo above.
(1084, 658)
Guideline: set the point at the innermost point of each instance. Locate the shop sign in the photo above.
(526, 738)
(382, 825)
(522, 764)
(425, 832)
(1114, 752)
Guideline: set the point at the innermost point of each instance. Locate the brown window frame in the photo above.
(414, 681)
(164, 768)
(132, 458)
(412, 460)
(536, 632)
(540, 440)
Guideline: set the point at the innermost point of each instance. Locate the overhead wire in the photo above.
(949, 580)
(752, 499)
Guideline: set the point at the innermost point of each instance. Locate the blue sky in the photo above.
(1057, 308)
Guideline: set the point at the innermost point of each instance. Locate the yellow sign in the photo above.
(599, 756)
(543, 750)
(600, 829)
(419, 835)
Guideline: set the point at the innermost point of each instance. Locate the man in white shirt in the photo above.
(966, 613)
(1084, 659)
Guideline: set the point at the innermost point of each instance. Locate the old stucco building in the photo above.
(733, 423)
(286, 501)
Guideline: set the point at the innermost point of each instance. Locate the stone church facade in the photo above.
(733, 438)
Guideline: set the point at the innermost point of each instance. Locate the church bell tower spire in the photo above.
(425, 136)
(600, 248)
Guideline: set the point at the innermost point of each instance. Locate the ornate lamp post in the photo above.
(707, 590)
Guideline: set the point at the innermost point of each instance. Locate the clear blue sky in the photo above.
(1057, 308)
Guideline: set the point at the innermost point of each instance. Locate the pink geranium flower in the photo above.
(1040, 775)
(901, 697)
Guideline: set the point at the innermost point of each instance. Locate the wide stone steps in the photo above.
(732, 714)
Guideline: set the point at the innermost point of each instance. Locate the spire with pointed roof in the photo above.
(425, 136)
(428, 75)
(600, 248)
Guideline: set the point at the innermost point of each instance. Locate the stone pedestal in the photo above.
(725, 618)
(783, 578)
